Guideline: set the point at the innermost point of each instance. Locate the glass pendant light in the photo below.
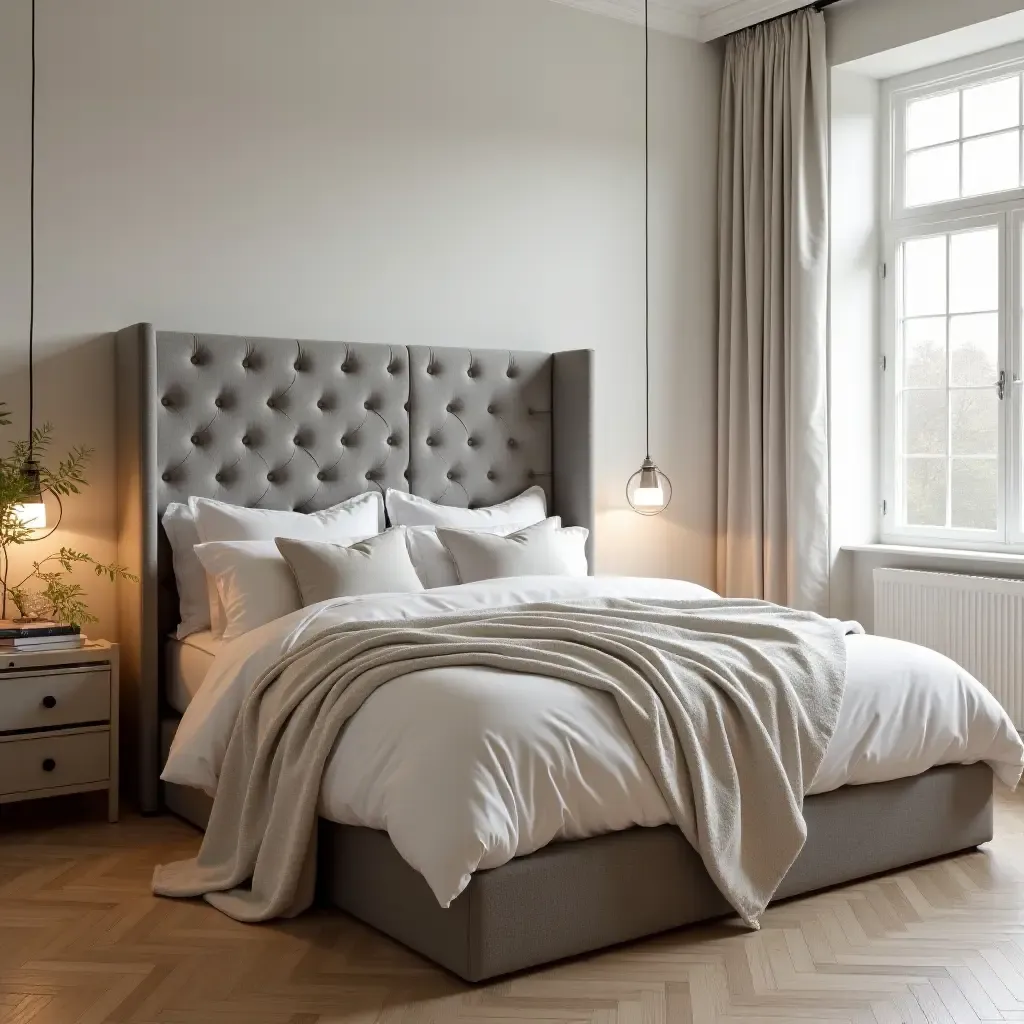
(649, 491)
(31, 511)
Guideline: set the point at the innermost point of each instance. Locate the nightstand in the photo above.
(58, 723)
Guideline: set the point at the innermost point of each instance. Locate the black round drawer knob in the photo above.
(49, 764)
(49, 702)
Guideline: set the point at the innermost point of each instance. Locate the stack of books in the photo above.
(38, 636)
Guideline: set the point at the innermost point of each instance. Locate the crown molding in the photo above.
(731, 17)
(694, 20)
(674, 16)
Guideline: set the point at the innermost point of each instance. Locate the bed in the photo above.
(254, 422)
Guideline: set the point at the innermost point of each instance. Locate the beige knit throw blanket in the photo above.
(731, 704)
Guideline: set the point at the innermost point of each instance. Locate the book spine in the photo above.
(31, 634)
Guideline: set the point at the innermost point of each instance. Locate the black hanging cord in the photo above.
(646, 211)
(32, 247)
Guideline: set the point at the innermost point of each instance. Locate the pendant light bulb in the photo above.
(31, 510)
(648, 491)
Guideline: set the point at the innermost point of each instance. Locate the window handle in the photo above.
(1001, 385)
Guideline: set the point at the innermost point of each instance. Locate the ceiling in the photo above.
(698, 19)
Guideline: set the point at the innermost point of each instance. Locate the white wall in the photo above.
(853, 324)
(860, 28)
(453, 172)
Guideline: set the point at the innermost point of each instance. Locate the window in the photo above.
(954, 313)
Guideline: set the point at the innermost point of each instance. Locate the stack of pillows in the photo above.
(240, 568)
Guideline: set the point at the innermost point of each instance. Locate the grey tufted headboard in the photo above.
(302, 425)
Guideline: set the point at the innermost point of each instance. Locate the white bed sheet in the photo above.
(188, 662)
(468, 768)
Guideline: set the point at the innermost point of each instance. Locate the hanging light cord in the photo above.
(32, 247)
(646, 211)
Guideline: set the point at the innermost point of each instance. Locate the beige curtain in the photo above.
(773, 280)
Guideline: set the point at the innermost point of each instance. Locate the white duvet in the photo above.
(467, 768)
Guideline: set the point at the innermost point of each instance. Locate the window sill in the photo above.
(1006, 558)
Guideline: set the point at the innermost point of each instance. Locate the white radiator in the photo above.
(977, 621)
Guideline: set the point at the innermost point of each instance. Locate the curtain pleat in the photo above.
(773, 287)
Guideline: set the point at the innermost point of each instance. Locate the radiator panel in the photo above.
(977, 621)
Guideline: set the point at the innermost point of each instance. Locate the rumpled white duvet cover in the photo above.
(467, 768)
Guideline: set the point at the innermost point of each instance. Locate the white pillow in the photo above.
(408, 510)
(433, 561)
(180, 526)
(353, 519)
(252, 580)
(545, 549)
(380, 565)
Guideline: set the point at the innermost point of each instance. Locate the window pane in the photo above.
(992, 106)
(933, 175)
(991, 164)
(924, 353)
(974, 422)
(924, 422)
(975, 497)
(924, 491)
(974, 349)
(974, 271)
(924, 276)
(932, 120)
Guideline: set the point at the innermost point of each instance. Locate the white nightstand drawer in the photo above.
(44, 700)
(47, 762)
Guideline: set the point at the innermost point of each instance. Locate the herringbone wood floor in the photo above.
(82, 940)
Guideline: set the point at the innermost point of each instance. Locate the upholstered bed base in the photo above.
(575, 897)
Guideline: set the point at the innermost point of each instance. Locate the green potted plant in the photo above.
(48, 589)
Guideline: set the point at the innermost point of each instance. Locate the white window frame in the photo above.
(899, 223)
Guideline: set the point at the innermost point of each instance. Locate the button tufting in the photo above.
(512, 443)
(472, 442)
(491, 475)
(431, 442)
(371, 475)
(512, 372)
(392, 442)
(393, 368)
(196, 440)
(432, 370)
(271, 403)
(345, 368)
(246, 363)
(368, 406)
(451, 475)
(246, 440)
(321, 404)
(472, 372)
(492, 409)
(165, 401)
(321, 476)
(219, 477)
(271, 477)
(297, 441)
(166, 477)
(345, 442)
(195, 360)
(219, 402)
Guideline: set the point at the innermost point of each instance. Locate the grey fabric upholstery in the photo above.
(301, 425)
(570, 898)
(482, 424)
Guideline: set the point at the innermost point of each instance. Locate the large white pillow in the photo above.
(354, 519)
(252, 580)
(193, 600)
(433, 561)
(379, 565)
(409, 510)
(545, 549)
